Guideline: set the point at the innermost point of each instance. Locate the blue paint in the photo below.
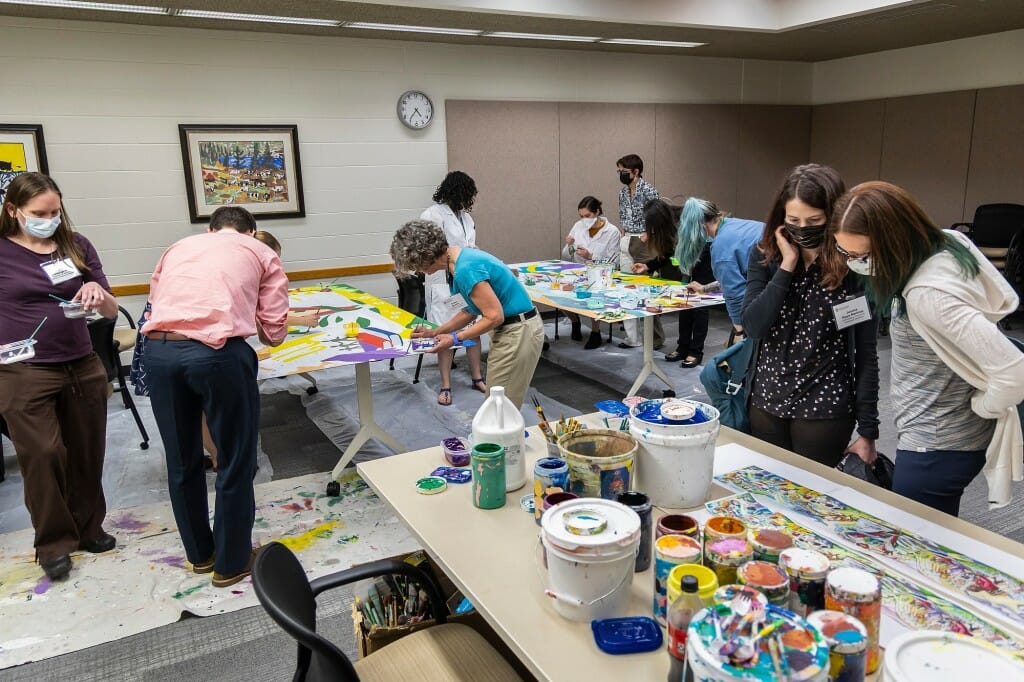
(650, 412)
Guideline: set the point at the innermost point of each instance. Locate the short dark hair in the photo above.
(632, 162)
(592, 204)
(457, 191)
(233, 216)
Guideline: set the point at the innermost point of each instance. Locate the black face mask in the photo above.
(625, 177)
(809, 237)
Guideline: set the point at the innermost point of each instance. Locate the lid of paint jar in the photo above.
(853, 584)
(805, 564)
(677, 548)
(763, 574)
(707, 581)
(613, 407)
(947, 657)
(632, 635)
(726, 593)
(431, 485)
(845, 634)
(728, 551)
(769, 541)
(591, 527)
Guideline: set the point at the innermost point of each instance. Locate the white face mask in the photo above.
(43, 228)
(862, 266)
(589, 222)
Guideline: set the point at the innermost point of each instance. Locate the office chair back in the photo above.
(412, 295)
(101, 333)
(995, 225)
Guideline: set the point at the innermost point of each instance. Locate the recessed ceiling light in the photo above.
(413, 29)
(262, 18)
(650, 43)
(103, 6)
(541, 36)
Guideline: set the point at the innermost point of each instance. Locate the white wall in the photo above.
(981, 62)
(110, 98)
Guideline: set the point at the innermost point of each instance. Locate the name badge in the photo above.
(455, 303)
(60, 270)
(851, 312)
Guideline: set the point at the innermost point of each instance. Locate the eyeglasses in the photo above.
(849, 256)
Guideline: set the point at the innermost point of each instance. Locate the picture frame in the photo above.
(256, 167)
(22, 150)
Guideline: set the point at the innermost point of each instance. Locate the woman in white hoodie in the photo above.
(956, 378)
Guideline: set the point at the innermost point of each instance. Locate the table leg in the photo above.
(368, 428)
(649, 367)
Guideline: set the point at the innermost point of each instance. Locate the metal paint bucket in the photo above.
(600, 462)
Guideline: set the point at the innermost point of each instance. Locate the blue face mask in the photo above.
(42, 228)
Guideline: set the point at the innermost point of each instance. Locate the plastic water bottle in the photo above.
(680, 613)
(498, 421)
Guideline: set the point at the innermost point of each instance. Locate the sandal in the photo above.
(444, 396)
(674, 356)
(479, 385)
(693, 360)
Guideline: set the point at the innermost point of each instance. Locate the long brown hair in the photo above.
(661, 222)
(819, 187)
(902, 237)
(23, 189)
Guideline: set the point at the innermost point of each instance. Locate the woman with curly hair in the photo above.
(453, 201)
(492, 299)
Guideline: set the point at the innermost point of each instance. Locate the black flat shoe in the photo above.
(104, 543)
(697, 359)
(594, 341)
(58, 568)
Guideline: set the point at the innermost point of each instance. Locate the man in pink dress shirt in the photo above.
(209, 292)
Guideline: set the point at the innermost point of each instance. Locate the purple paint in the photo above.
(176, 561)
(128, 522)
(728, 545)
(43, 585)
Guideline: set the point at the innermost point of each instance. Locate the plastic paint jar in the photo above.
(726, 593)
(719, 527)
(641, 504)
(550, 475)
(857, 592)
(768, 544)
(768, 578)
(724, 557)
(456, 451)
(848, 644)
(807, 570)
(677, 524)
(669, 552)
(488, 465)
(707, 582)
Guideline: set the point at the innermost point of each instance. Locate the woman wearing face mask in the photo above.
(956, 378)
(592, 238)
(814, 373)
(55, 403)
(453, 200)
(732, 240)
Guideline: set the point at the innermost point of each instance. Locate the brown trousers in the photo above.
(57, 417)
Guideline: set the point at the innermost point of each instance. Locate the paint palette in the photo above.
(19, 351)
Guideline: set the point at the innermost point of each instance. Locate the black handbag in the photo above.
(878, 473)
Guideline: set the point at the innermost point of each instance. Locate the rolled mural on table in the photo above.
(21, 151)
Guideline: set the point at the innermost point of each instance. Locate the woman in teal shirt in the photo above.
(488, 297)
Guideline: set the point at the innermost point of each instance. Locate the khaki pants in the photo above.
(57, 417)
(515, 350)
(632, 249)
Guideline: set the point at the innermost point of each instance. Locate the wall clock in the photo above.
(415, 109)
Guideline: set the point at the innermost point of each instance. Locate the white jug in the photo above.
(498, 421)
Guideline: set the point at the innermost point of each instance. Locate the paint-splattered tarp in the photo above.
(383, 333)
(145, 583)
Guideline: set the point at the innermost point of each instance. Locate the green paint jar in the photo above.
(488, 465)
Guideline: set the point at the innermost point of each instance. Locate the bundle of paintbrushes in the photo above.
(390, 601)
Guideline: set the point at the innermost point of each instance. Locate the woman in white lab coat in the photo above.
(593, 238)
(452, 201)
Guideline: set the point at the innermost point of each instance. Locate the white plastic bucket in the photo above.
(946, 657)
(590, 547)
(675, 462)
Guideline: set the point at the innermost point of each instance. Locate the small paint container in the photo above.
(768, 544)
(431, 485)
(73, 310)
(583, 294)
(726, 593)
(721, 527)
(595, 303)
(488, 464)
(724, 556)
(550, 475)
(807, 570)
(457, 451)
(768, 578)
(526, 503)
(641, 504)
(848, 644)
(19, 351)
(707, 583)
(555, 499)
(857, 593)
(677, 524)
(669, 552)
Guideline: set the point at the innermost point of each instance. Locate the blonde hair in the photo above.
(268, 239)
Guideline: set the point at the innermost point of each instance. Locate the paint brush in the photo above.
(58, 298)
(36, 330)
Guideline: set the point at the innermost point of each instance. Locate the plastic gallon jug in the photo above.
(498, 421)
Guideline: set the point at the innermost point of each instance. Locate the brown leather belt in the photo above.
(166, 336)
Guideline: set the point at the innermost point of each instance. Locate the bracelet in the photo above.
(455, 338)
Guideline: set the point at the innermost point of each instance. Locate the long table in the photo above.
(491, 556)
(543, 273)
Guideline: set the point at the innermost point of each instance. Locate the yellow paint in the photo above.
(310, 537)
(14, 153)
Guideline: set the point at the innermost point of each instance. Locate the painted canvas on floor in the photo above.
(21, 151)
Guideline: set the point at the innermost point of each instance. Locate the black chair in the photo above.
(3, 431)
(993, 228)
(290, 600)
(101, 331)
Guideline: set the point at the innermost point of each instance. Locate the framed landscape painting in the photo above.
(21, 151)
(253, 166)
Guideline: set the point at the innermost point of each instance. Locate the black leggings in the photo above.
(823, 440)
(693, 329)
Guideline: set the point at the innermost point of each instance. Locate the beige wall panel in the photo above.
(925, 149)
(996, 172)
(772, 139)
(511, 151)
(591, 137)
(848, 137)
(697, 152)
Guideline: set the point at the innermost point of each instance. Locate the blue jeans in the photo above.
(936, 478)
